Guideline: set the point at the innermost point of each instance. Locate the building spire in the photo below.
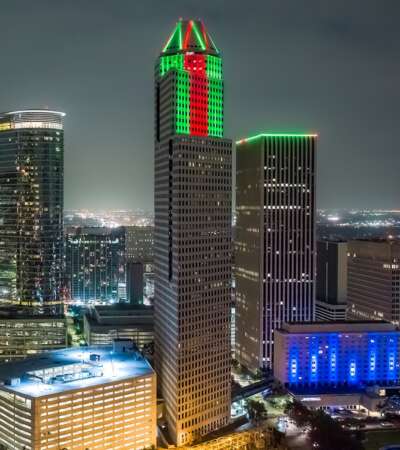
(190, 36)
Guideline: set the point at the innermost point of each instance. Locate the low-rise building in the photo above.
(78, 398)
(103, 324)
(337, 354)
(341, 364)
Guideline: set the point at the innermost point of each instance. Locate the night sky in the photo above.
(331, 66)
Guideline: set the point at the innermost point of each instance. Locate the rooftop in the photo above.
(276, 135)
(385, 250)
(121, 313)
(31, 119)
(71, 369)
(122, 308)
(33, 111)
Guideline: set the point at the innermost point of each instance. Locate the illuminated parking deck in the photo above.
(78, 398)
(109, 368)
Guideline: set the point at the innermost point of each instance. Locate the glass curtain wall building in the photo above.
(193, 183)
(95, 261)
(31, 208)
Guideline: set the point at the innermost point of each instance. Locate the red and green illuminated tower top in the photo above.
(199, 90)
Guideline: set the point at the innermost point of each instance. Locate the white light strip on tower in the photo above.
(51, 125)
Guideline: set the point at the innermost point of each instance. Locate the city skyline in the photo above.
(84, 69)
(197, 292)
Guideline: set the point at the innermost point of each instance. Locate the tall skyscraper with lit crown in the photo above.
(192, 239)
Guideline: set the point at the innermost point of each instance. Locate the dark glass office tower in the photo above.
(331, 298)
(95, 263)
(31, 208)
(274, 240)
(192, 241)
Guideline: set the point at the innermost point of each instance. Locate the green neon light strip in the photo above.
(215, 96)
(215, 104)
(272, 135)
(199, 37)
(168, 62)
(215, 108)
(214, 67)
(180, 35)
(171, 37)
(182, 114)
(212, 42)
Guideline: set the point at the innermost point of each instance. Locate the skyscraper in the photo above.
(374, 280)
(139, 243)
(134, 282)
(274, 240)
(95, 263)
(331, 281)
(31, 207)
(192, 239)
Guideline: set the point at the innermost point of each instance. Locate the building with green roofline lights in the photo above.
(274, 240)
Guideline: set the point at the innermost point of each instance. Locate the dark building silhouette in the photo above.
(134, 282)
(331, 281)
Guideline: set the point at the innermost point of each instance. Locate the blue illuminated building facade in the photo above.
(339, 354)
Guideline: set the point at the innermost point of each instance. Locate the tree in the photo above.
(329, 435)
(325, 432)
(300, 414)
(277, 437)
(256, 410)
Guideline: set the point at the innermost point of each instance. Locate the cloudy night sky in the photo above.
(331, 66)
